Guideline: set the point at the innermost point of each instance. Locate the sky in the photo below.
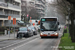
(50, 1)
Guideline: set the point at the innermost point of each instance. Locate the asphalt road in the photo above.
(31, 43)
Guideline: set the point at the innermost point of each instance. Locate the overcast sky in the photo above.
(50, 1)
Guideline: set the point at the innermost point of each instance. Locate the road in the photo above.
(31, 43)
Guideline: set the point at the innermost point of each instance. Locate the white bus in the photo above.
(49, 27)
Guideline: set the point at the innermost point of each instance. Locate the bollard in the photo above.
(5, 32)
(20, 36)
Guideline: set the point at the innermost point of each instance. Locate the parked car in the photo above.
(24, 32)
(21, 22)
(35, 31)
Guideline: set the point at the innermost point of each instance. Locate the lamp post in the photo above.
(9, 19)
(24, 18)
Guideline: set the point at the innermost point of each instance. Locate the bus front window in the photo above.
(49, 26)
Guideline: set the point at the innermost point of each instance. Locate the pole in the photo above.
(14, 31)
(9, 28)
(9, 23)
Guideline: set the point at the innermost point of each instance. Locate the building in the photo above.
(23, 9)
(40, 6)
(9, 8)
(26, 6)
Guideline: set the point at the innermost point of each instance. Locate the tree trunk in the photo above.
(72, 27)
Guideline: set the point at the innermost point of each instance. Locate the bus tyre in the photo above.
(42, 37)
(56, 36)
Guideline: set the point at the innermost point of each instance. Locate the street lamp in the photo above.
(9, 21)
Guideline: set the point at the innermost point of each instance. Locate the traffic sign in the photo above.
(33, 24)
(14, 21)
(9, 17)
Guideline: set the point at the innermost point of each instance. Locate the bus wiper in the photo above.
(55, 25)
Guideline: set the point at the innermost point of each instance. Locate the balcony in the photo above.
(13, 6)
(44, 1)
(13, 15)
(3, 16)
(9, 5)
(40, 8)
(42, 12)
(1, 0)
(2, 13)
(40, 3)
(3, 4)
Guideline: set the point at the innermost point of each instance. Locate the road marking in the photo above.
(58, 41)
(0, 48)
(17, 42)
(24, 44)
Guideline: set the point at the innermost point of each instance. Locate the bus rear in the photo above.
(49, 27)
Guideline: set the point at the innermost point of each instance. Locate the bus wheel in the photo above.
(56, 36)
(42, 37)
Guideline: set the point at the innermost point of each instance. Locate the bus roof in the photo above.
(49, 17)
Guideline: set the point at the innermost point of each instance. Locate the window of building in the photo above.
(1, 9)
(6, 1)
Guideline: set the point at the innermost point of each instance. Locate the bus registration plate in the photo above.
(48, 34)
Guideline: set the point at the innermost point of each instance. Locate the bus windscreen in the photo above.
(49, 24)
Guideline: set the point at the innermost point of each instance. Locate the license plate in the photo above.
(48, 34)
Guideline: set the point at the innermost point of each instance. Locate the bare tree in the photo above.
(69, 10)
(34, 14)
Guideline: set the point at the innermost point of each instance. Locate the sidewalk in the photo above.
(7, 37)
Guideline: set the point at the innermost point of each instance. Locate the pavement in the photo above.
(8, 37)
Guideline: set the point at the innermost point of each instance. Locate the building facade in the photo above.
(40, 6)
(9, 8)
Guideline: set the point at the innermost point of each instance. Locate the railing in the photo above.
(40, 4)
(1, 0)
(43, 1)
(9, 5)
(1, 13)
(14, 6)
(3, 4)
(13, 15)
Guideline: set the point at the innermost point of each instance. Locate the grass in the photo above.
(66, 43)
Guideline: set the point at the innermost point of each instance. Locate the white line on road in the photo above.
(17, 42)
(24, 44)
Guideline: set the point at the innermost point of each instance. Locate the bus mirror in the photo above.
(36, 21)
(58, 23)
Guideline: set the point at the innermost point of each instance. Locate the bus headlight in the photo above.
(56, 33)
(41, 33)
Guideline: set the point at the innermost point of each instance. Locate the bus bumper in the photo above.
(52, 35)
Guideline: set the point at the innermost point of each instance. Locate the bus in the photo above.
(49, 27)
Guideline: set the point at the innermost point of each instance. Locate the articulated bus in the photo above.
(49, 27)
